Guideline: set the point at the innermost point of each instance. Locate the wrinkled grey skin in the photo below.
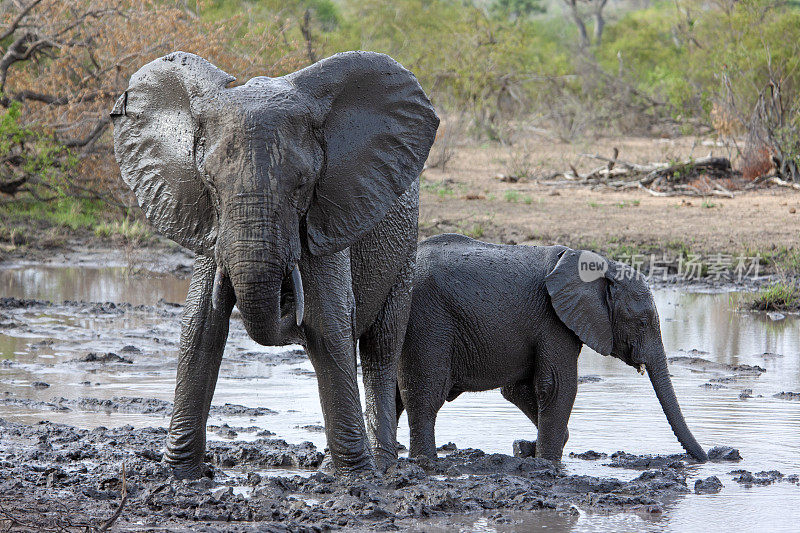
(300, 196)
(485, 316)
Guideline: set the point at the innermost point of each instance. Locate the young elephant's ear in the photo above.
(578, 289)
(155, 132)
(377, 126)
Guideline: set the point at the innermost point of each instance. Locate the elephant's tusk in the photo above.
(216, 292)
(642, 369)
(299, 300)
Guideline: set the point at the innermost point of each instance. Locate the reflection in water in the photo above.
(115, 284)
(541, 521)
(620, 412)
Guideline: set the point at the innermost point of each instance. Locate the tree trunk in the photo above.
(572, 5)
(599, 21)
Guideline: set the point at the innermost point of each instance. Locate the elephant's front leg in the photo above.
(330, 341)
(556, 386)
(204, 331)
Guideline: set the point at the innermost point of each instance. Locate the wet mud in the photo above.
(50, 471)
(122, 404)
(728, 373)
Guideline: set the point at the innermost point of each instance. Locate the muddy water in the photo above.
(616, 410)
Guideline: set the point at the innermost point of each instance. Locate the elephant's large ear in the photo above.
(155, 131)
(578, 289)
(378, 126)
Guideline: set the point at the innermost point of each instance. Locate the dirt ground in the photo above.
(467, 197)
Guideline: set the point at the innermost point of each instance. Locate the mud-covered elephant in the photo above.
(299, 195)
(485, 316)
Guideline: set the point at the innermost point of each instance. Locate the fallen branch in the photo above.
(110, 522)
(656, 193)
(657, 179)
(613, 162)
(783, 183)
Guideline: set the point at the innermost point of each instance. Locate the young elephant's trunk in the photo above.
(662, 384)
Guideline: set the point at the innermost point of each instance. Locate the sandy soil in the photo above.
(468, 198)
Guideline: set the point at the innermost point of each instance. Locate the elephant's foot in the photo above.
(365, 466)
(326, 466)
(385, 459)
(190, 470)
(382, 465)
(348, 469)
(185, 457)
(427, 463)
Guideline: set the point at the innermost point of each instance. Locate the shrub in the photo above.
(781, 296)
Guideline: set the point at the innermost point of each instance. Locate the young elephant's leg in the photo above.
(422, 413)
(556, 385)
(523, 395)
(380, 348)
(204, 331)
(424, 381)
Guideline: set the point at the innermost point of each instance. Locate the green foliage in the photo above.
(783, 259)
(692, 55)
(780, 296)
(131, 230)
(643, 45)
(64, 212)
(516, 8)
(463, 58)
(441, 189)
(476, 231)
(494, 61)
(32, 159)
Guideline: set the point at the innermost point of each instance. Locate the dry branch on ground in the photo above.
(693, 177)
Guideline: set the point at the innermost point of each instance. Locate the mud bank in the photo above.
(124, 404)
(54, 475)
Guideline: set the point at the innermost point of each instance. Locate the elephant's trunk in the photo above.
(256, 281)
(656, 366)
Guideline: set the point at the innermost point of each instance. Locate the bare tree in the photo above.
(599, 21)
(64, 63)
(596, 8)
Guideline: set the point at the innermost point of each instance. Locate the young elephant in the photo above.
(485, 316)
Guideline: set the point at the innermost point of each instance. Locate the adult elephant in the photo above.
(295, 192)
